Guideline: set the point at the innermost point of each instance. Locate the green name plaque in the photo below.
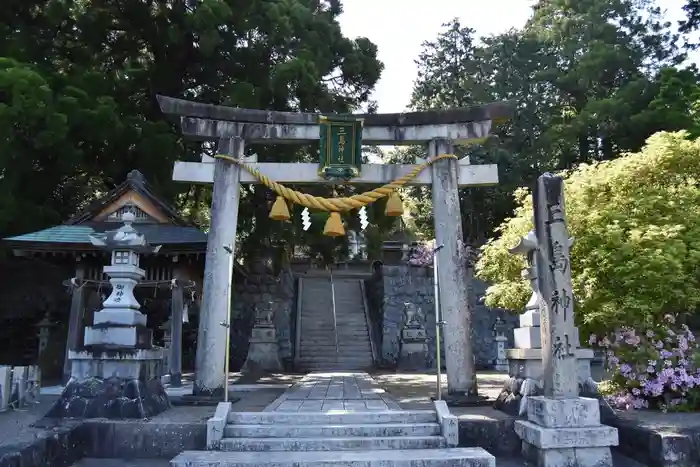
(340, 147)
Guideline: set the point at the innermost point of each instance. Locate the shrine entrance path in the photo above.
(337, 391)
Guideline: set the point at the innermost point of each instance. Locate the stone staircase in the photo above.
(386, 439)
(317, 341)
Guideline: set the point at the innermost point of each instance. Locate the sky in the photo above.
(399, 27)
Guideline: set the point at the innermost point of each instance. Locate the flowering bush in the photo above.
(657, 369)
(421, 255)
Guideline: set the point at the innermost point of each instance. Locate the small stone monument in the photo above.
(525, 360)
(263, 352)
(414, 340)
(500, 340)
(562, 429)
(117, 374)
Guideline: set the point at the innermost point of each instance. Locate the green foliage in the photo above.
(637, 234)
(591, 80)
(79, 109)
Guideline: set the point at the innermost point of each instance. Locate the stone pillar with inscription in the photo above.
(263, 352)
(525, 359)
(414, 346)
(562, 429)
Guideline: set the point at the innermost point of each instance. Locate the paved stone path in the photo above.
(331, 392)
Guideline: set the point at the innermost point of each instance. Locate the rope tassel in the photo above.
(393, 208)
(334, 226)
(280, 211)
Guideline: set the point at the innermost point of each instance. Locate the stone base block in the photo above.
(263, 356)
(413, 334)
(262, 334)
(530, 318)
(125, 364)
(124, 317)
(107, 335)
(112, 397)
(600, 436)
(563, 413)
(527, 363)
(413, 356)
(572, 457)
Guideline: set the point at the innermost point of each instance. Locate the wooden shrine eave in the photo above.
(207, 121)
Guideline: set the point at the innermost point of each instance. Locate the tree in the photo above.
(585, 90)
(47, 134)
(637, 237)
(268, 54)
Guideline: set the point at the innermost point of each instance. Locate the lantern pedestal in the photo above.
(113, 384)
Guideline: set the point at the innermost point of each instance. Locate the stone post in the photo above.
(75, 320)
(176, 320)
(452, 273)
(167, 345)
(500, 340)
(562, 429)
(5, 387)
(218, 274)
(414, 340)
(263, 352)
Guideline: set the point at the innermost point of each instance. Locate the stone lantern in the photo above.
(117, 374)
(44, 331)
(500, 339)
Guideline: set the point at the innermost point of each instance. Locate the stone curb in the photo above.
(659, 448)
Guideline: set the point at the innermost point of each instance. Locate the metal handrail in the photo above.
(335, 319)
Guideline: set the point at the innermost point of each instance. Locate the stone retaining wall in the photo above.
(261, 286)
(398, 284)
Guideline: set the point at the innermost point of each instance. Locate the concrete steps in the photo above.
(342, 418)
(334, 431)
(331, 444)
(455, 457)
(319, 331)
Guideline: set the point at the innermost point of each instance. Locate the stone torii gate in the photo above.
(234, 127)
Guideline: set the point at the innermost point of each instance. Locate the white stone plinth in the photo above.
(566, 432)
(531, 318)
(527, 363)
(565, 438)
(122, 337)
(563, 413)
(126, 364)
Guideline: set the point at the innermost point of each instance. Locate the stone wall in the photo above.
(257, 287)
(395, 285)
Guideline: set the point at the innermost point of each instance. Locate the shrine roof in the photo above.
(156, 219)
(78, 235)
